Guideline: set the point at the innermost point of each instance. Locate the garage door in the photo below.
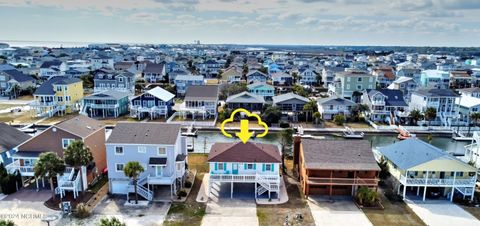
(119, 187)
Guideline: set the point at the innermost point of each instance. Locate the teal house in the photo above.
(106, 104)
(262, 89)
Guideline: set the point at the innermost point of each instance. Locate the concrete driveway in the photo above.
(26, 207)
(152, 215)
(442, 213)
(341, 211)
(241, 210)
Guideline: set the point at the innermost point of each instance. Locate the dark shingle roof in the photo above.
(154, 68)
(204, 92)
(335, 100)
(48, 64)
(436, 93)
(240, 152)
(10, 137)
(394, 97)
(144, 133)
(19, 76)
(47, 87)
(338, 155)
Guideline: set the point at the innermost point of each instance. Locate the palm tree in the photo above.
(133, 170)
(416, 115)
(310, 107)
(111, 222)
(430, 114)
(49, 165)
(286, 142)
(77, 155)
(317, 116)
(4, 222)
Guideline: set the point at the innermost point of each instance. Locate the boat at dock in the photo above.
(349, 133)
(403, 133)
(191, 131)
(301, 133)
(458, 136)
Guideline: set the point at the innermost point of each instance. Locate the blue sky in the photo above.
(313, 22)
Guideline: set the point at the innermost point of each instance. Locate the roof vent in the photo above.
(89, 127)
(54, 129)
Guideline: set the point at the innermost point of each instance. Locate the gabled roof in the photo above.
(47, 87)
(11, 137)
(108, 94)
(468, 101)
(335, 100)
(189, 77)
(256, 73)
(154, 68)
(53, 63)
(470, 90)
(161, 94)
(436, 93)
(202, 92)
(413, 152)
(338, 155)
(240, 152)
(144, 133)
(19, 76)
(392, 97)
(81, 125)
(288, 96)
(403, 79)
(245, 97)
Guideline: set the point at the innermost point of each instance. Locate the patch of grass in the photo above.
(190, 212)
(198, 161)
(6, 118)
(394, 214)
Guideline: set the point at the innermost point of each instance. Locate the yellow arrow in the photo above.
(244, 133)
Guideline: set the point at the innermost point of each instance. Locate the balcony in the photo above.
(244, 178)
(102, 106)
(160, 180)
(378, 102)
(437, 182)
(342, 181)
(43, 103)
(24, 170)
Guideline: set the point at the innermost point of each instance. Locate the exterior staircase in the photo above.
(268, 184)
(141, 190)
(70, 181)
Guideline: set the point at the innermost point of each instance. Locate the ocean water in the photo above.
(51, 44)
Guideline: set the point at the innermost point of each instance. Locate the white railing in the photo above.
(14, 166)
(102, 106)
(437, 181)
(160, 180)
(247, 178)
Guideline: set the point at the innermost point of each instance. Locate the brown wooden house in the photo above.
(56, 139)
(334, 167)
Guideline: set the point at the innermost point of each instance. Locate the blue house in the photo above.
(155, 102)
(9, 139)
(262, 89)
(273, 68)
(105, 104)
(182, 82)
(256, 76)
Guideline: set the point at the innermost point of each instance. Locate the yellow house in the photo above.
(58, 95)
(422, 169)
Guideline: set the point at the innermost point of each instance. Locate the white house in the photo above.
(331, 106)
(442, 100)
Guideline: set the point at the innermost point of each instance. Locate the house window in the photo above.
(359, 79)
(162, 151)
(120, 79)
(66, 88)
(66, 143)
(459, 174)
(59, 88)
(59, 99)
(359, 87)
(119, 167)
(250, 166)
(220, 166)
(142, 149)
(268, 167)
(118, 150)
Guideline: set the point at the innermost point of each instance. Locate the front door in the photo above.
(158, 171)
(235, 168)
(442, 175)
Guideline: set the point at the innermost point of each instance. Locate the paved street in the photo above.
(442, 213)
(338, 212)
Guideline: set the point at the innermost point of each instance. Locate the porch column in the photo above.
(255, 189)
(231, 190)
(425, 187)
(453, 185)
(171, 192)
(418, 190)
(405, 185)
(43, 182)
(473, 188)
(331, 186)
(36, 182)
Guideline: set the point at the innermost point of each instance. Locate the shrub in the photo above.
(6, 222)
(182, 193)
(111, 222)
(188, 184)
(284, 124)
(366, 196)
(82, 211)
(339, 119)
